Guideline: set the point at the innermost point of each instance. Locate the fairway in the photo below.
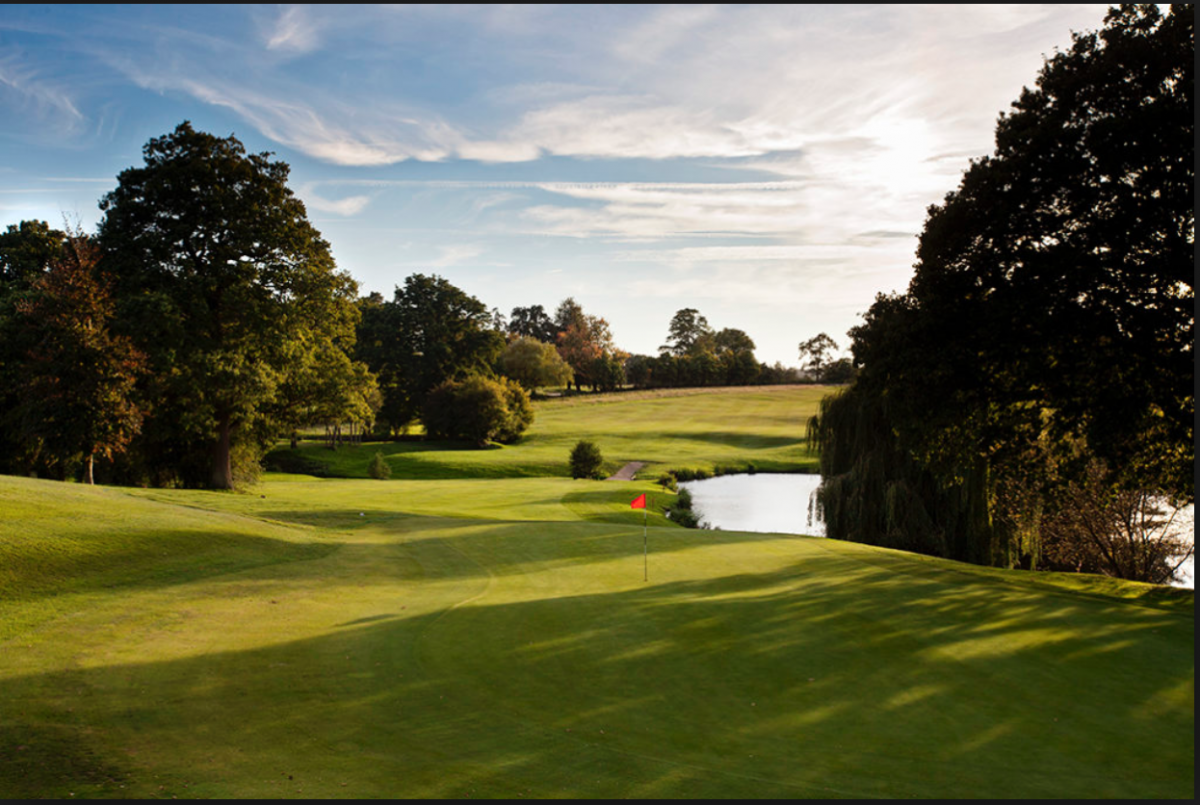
(443, 635)
(674, 429)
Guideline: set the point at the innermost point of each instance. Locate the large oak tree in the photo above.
(220, 276)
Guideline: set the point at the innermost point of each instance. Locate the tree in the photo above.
(78, 398)
(1050, 318)
(838, 372)
(732, 340)
(688, 333)
(533, 363)
(217, 271)
(586, 460)
(607, 373)
(735, 350)
(429, 333)
(583, 339)
(569, 313)
(1063, 266)
(477, 409)
(1127, 534)
(639, 371)
(533, 322)
(338, 391)
(26, 250)
(816, 350)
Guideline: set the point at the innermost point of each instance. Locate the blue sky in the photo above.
(769, 166)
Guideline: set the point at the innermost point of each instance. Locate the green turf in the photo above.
(348, 638)
(686, 428)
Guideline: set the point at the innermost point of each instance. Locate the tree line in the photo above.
(206, 318)
(1029, 400)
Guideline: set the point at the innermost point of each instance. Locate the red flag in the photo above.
(639, 502)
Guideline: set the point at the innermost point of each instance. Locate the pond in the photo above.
(774, 503)
(777, 503)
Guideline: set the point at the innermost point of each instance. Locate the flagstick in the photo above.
(645, 549)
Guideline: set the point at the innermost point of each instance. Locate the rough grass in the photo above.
(350, 638)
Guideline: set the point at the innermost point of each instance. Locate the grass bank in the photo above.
(494, 637)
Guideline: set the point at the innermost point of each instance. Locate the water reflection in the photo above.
(769, 503)
(778, 504)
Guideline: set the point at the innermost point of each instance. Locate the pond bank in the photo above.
(779, 504)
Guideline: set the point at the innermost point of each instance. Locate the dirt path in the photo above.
(626, 473)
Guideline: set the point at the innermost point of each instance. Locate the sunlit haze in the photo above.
(769, 166)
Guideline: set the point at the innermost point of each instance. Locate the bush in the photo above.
(684, 513)
(686, 518)
(684, 499)
(478, 409)
(379, 468)
(520, 412)
(586, 460)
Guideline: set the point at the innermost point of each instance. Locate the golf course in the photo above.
(478, 625)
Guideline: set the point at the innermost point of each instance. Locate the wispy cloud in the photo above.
(293, 31)
(32, 93)
(660, 83)
(453, 255)
(346, 206)
(860, 116)
(298, 125)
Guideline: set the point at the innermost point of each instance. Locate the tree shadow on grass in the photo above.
(739, 439)
(815, 679)
(161, 557)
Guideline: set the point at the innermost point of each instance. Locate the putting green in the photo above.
(278, 644)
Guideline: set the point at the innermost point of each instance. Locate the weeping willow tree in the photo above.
(876, 492)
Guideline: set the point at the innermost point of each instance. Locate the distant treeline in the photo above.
(205, 319)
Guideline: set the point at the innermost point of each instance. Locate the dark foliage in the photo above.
(429, 333)
(586, 460)
(1050, 318)
(478, 409)
(224, 284)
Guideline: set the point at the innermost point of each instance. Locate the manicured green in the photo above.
(494, 637)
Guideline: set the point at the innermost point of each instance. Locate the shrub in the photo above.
(478, 409)
(686, 518)
(684, 499)
(379, 468)
(586, 460)
(684, 513)
(520, 412)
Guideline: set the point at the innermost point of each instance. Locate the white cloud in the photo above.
(300, 126)
(294, 31)
(660, 83)
(668, 27)
(347, 206)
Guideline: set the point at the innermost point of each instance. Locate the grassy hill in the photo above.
(669, 429)
(494, 637)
